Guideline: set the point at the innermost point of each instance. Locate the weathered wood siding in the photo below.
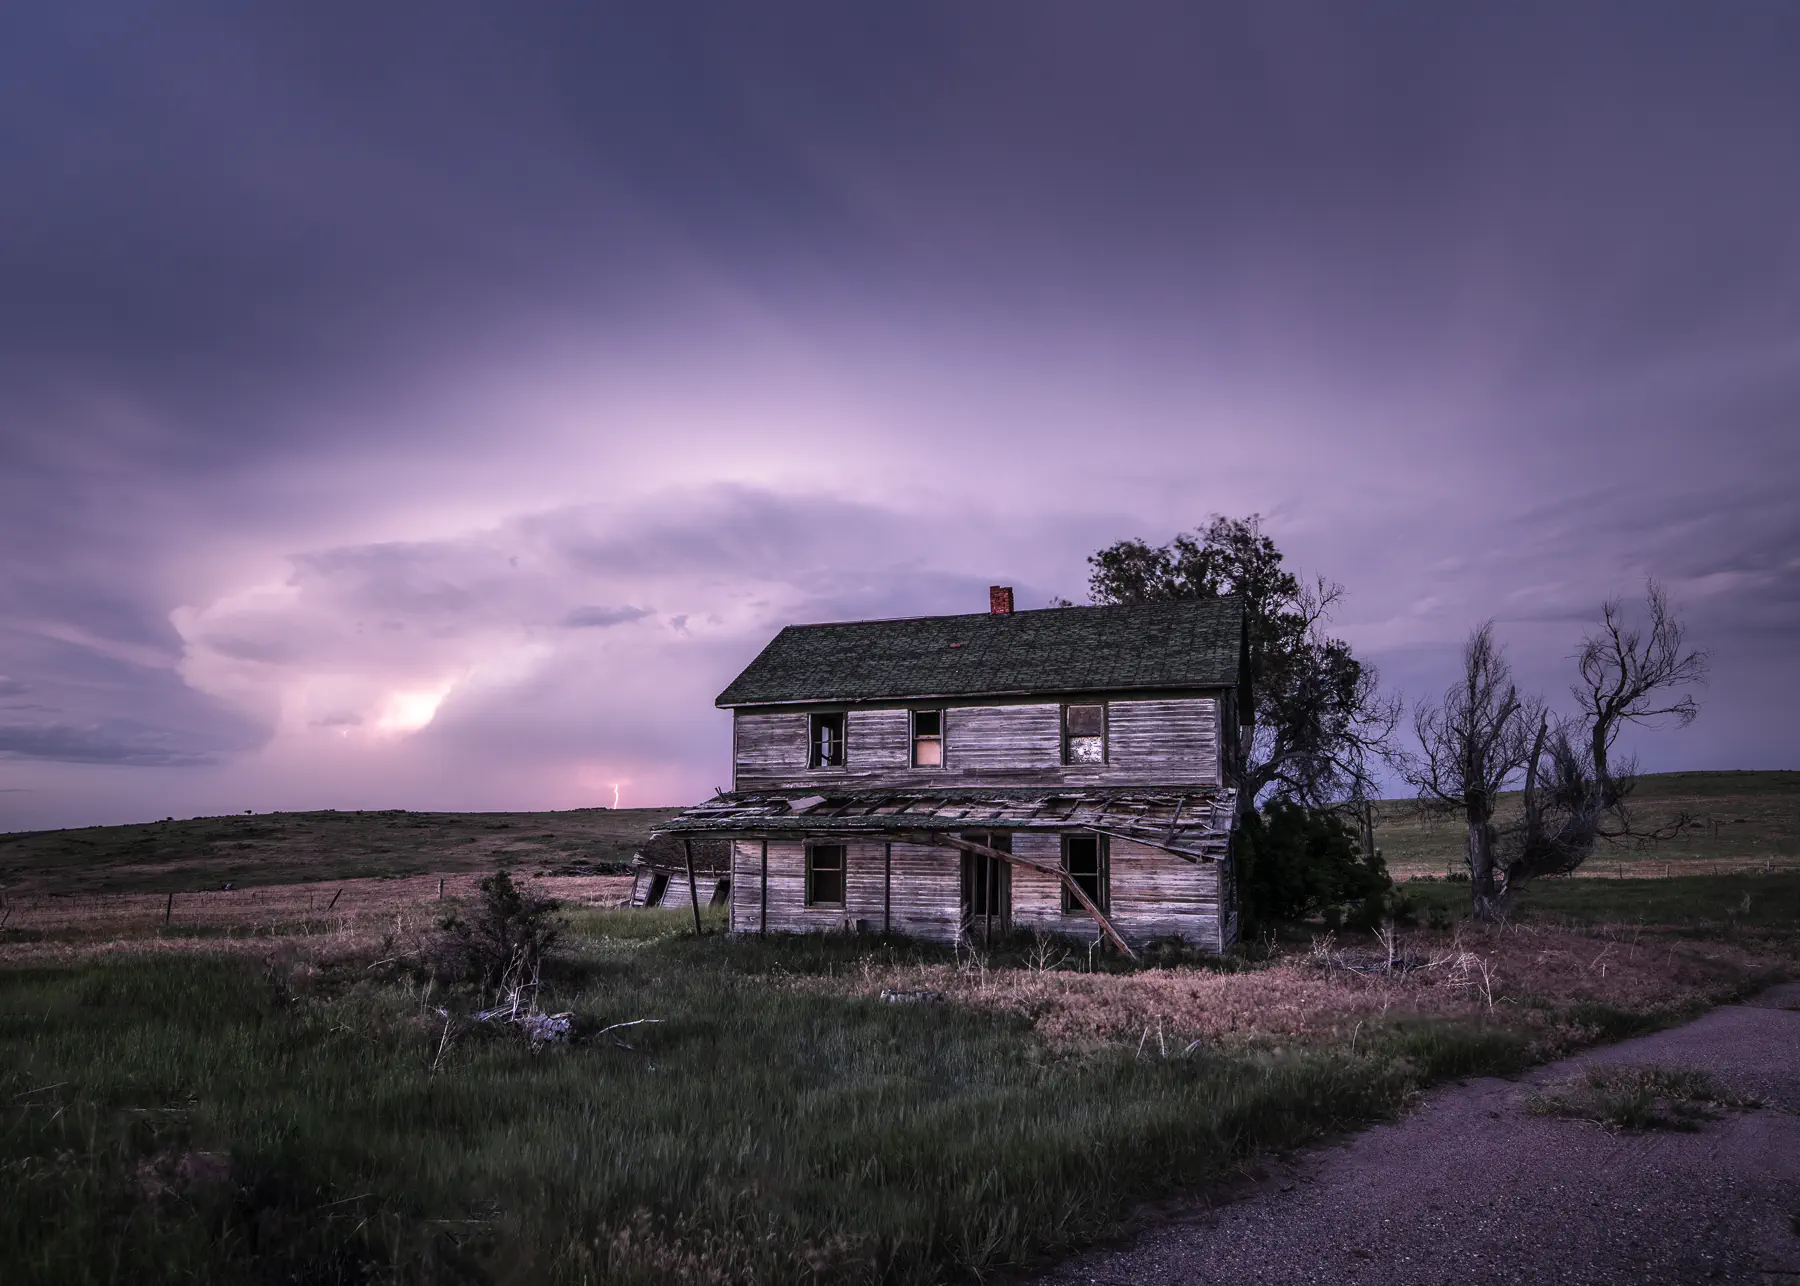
(767, 746)
(1156, 895)
(1151, 894)
(926, 893)
(1173, 742)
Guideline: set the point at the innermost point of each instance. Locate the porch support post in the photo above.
(687, 847)
(887, 887)
(763, 927)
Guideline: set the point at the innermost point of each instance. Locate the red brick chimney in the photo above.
(1000, 600)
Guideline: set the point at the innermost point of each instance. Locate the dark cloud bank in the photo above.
(435, 406)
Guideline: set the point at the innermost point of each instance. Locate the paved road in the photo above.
(1473, 1189)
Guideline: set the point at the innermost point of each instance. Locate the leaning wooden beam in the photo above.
(687, 846)
(1068, 882)
(1188, 853)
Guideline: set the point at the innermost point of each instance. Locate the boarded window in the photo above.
(928, 738)
(1084, 858)
(825, 875)
(1084, 734)
(827, 741)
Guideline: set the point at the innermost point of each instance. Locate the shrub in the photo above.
(1296, 862)
(507, 927)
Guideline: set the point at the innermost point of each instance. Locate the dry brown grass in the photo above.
(332, 919)
(1522, 976)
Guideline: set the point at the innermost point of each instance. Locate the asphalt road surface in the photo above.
(1472, 1188)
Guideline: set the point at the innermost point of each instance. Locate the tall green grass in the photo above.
(1705, 904)
(219, 1120)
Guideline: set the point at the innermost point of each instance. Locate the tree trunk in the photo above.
(1485, 899)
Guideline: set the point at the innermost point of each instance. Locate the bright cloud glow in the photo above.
(410, 711)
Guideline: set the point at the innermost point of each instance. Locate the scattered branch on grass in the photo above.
(520, 1007)
(635, 1022)
(443, 1049)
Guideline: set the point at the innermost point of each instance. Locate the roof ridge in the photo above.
(1023, 611)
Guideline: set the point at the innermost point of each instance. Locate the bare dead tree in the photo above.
(1577, 791)
(1472, 744)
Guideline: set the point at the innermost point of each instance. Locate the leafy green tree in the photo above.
(1321, 720)
(1295, 862)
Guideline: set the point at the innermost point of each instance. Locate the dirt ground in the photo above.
(1474, 1187)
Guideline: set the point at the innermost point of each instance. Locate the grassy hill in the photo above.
(288, 848)
(1738, 820)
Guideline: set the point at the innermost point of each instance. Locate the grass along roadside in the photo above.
(294, 1108)
(1638, 1098)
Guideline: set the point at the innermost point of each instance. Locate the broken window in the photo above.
(827, 741)
(928, 738)
(1084, 858)
(1084, 734)
(825, 875)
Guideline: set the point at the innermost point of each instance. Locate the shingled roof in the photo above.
(1194, 643)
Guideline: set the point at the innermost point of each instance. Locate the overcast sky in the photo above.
(435, 405)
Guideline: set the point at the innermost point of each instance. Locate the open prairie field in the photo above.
(1738, 821)
(292, 848)
(274, 1087)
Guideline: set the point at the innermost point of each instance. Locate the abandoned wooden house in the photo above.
(1068, 770)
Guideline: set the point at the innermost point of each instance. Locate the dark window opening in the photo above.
(928, 738)
(1084, 734)
(659, 885)
(826, 736)
(721, 893)
(987, 881)
(825, 875)
(1084, 858)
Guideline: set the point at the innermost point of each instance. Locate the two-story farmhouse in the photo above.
(952, 777)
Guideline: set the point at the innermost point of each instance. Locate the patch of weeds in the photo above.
(1609, 1022)
(1451, 1051)
(1637, 1098)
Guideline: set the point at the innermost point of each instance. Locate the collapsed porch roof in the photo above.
(1192, 822)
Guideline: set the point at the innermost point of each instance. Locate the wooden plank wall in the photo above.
(1150, 743)
(927, 892)
(1158, 895)
(1153, 894)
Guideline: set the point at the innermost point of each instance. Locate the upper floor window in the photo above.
(928, 738)
(825, 740)
(1084, 734)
